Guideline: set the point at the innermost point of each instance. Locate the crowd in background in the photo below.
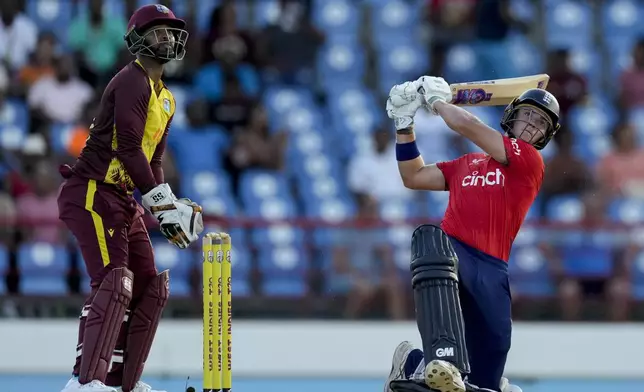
(232, 60)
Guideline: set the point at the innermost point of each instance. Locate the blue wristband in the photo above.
(407, 151)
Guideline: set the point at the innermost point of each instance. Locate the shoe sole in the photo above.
(400, 353)
(443, 377)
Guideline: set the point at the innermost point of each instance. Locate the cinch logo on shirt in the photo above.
(487, 179)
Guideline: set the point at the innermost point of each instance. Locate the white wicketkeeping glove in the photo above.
(403, 103)
(434, 89)
(180, 221)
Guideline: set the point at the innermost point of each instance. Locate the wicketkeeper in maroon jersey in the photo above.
(459, 269)
(124, 152)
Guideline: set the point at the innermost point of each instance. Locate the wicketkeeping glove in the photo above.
(180, 220)
(403, 103)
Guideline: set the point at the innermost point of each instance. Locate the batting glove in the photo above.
(180, 220)
(403, 103)
(434, 89)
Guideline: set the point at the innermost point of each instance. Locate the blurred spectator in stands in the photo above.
(97, 40)
(255, 146)
(494, 22)
(621, 171)
(59, 98)
(80, 132)
(234, 107)
(8, 215)
(41, 62)
(592, 269)
(565, 172)
(568, 86)
(228, 63)
(224, 38)
(40, 204)
(363, 264)
(451, 22)
(366, 171)
(632, 79)
(18, 35)
(183, 71)
(291, 44)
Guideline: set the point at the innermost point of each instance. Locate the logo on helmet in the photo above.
(163, 9)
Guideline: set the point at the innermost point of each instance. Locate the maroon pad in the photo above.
(143, 327)
(103, 323)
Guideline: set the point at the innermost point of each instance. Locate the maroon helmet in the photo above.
(155, 31)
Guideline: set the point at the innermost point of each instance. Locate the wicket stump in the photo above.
(217, 312)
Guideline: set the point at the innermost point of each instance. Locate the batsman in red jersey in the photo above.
(459, 270)
(124, 152)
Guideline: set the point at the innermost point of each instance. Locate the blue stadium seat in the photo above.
(587, 61)
(568, 23)
(15, 112)
(395, 210)
(620, 19)
(629, 211)
(524, 10)
(209, 81)
(281, 99)
(437, 204)
(85, 286)
(266, 12)
(4, 268)
(60, 135)
(592, 148)
(398, 62)
(277, 235)
(43, 269)
(636, 118)
(619, 57)
(12, 137)
(526, 57)
(51, 15)
(341, 61)
(637, 277)
(461, 64)
(565, 209)
(198, 149)
(591, 256)
(206, 183)
(169, 257)
(336, 18)
(303, 117)
(284, 271)
(529, 274)
(182, 96)
(241, 271)
(592, 119)
(393, 17)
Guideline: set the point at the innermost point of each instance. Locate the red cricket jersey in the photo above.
(488, 200)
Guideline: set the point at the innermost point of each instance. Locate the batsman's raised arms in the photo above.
(498, 92)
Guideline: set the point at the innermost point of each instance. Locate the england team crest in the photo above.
(166, 105)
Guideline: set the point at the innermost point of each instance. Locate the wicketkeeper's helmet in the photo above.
(145, 36)
(539, 99)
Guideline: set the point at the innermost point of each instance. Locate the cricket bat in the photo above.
(499, 92)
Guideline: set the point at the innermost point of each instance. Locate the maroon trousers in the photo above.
(111, 234)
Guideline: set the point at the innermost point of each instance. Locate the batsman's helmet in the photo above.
(539, 99)
(146, 37)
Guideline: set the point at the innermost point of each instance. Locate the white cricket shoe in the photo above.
(507, 387)
(140, 387)
(444, 377)
(398, 363)
(93, 386)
